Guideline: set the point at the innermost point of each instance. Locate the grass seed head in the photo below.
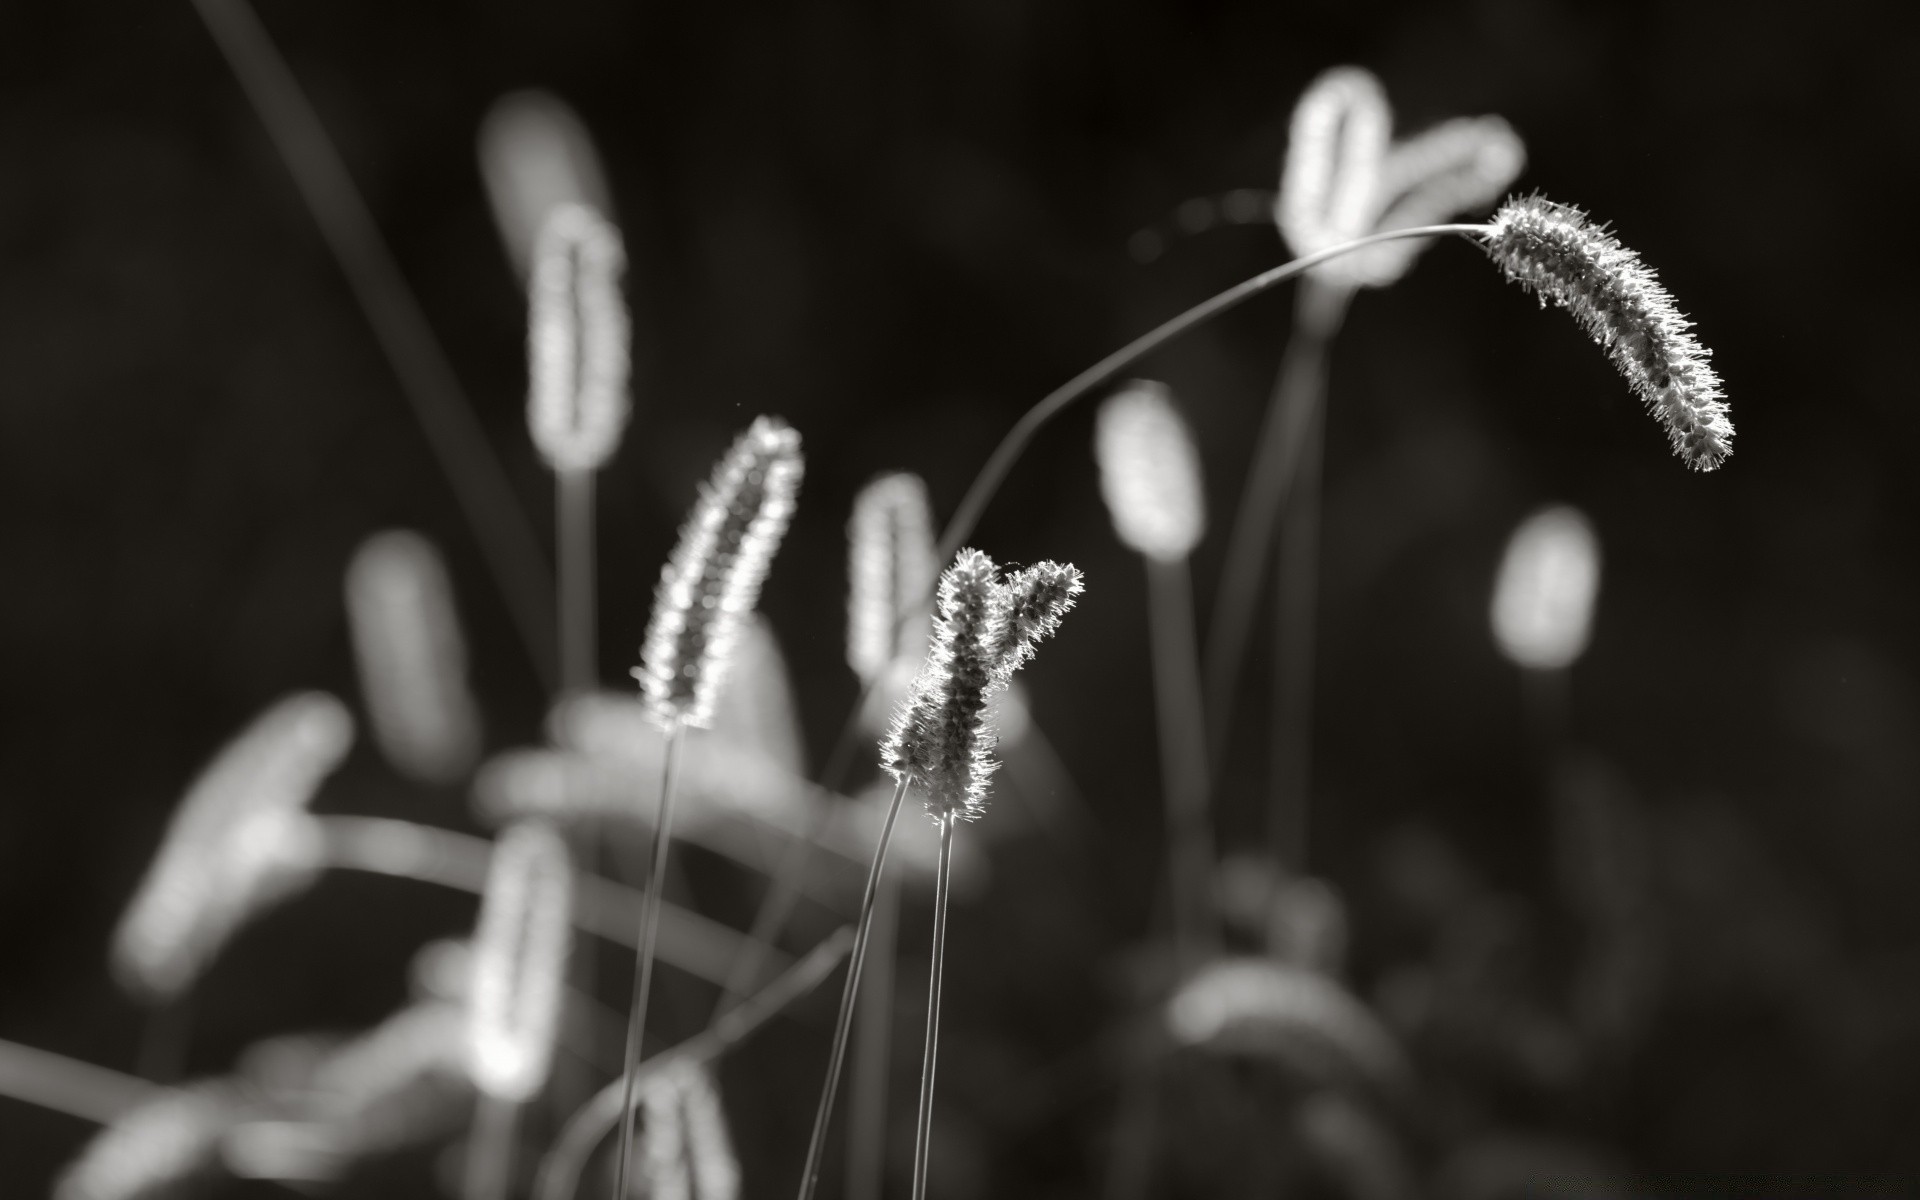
(519, 960)
(1035, 598)
(536, 154)
(1457, 167)
(713, 578)
(577, 340)
(1544, 594)
(1150, 472)
(1335, 145)
(1556, 252)
(890, 569)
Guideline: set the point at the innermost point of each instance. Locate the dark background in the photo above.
(897, 227)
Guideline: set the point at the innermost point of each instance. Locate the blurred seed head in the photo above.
(1557, 253)
(411, 657)
(1543, 598)
(755, 708)
(535, 155)
(519, 961)
(1150, 472)
(890, 573)
(1335, 145)
(1295, 1018)
(239, 842)
(713, 578)
(578, 337)
(154, 1149)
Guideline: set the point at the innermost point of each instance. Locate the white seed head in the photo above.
(1150, 472)
(1295, 1017)
(411, 657)
(890, 573)
(519, 962)
(713, 578)
(1557, 253)
(577, 340)
(710, 1156)
(1335, 145)
(1543, 598)
(154, 1148)
(535, 155)
(240, 841)
(1458, 167)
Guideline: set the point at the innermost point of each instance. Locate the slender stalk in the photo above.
(68, 1085)
(165, 1035)
(923, 1129)
(446, 417)
(843, 1022)
(980, 493)
(1183, 757)
(1296, 597)
(573, 539)
(1284, 434)
(560, 1172)
(873, 1042)
(649, 939)
(490, 1149)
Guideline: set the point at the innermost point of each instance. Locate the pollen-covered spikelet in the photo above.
(1294, 1017)
(1150, 472)
(155, 1148)
(1457, 167)
(1335, 144)
(240, 840)
(890, 570)
(713, 578)
(577, 340)
(519, 961)
(1556, 252)
(1036, 598)
(1543, 596)
(412, 659)
(535, 154)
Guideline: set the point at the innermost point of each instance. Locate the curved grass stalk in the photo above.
(923, 1131)
(843, 1023)
(1183, 762)
(69, 1085)
(439, 404)
(873, 1042)
(560, 1172)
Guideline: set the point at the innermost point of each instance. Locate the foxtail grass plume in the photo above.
(755, 709)
(154, 1149)
(1335, 146)
(519, 962)
(535, 155)
(1457, 167)
(890, 571)
(1150, 472)
(687, 1153)
(411, 657)
(577, 340)
(713, 578)
(240, 841)
(941, 739)
(1543, 597)
(1298, 1019)
(1556, 252)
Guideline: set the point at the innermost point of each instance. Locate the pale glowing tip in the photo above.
(1543, 598)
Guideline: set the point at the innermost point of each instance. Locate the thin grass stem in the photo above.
(843, 1022)
(500, 526)
(560, 1172)
(649, 940)
(489, 1163)
(68, 1085)
(1296, 600)
(873, 1043)
(1183, 757)
(981, 492)
(573, 541)
(923, 1128)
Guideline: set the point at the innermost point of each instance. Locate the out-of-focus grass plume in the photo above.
(1543, 597)
(535, 155)
(240, 841)
(1335, 145)
(1150, 472)
(519, 961)
(578, 336)
(1292, 1017)
(155, 1149)
(890, 570)
(412, 658)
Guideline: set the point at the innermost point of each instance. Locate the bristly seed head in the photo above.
(890, 568)
(941, 739)
(1554, 251)
(712, 581)
(577, 340)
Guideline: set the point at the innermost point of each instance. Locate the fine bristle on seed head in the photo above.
(1556, 252)
(1335, 145)
(577, 340)
(890, 568)
(519, 961)
(1035, 600)
(1150, 472)
(713, 578)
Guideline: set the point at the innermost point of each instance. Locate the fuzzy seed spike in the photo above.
(1556, 252)
(577, 340)
(1037, 598)
(890, 567)
(1335, 144)
(713, 578)
(519, 962)
(1150, 472)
